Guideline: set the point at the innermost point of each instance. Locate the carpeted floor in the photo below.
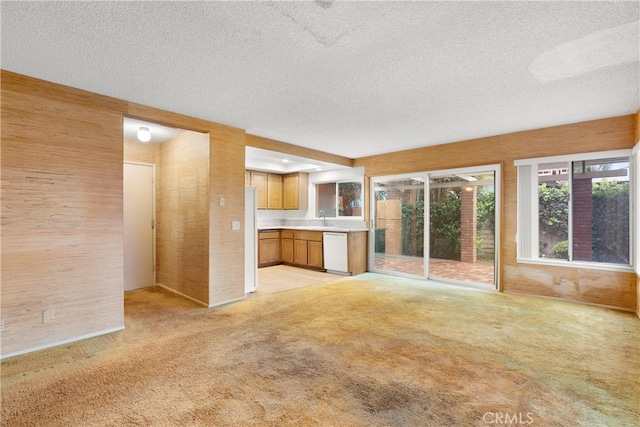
(369, 350)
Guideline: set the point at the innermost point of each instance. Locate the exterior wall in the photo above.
(182, 234)
(61, 213)
(61, 158)
(614, 289)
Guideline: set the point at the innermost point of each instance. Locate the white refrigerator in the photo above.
(250, 240)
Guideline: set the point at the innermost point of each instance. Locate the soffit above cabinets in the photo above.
(271, 161)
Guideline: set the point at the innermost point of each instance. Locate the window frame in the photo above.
(336, 183)
(527, 234)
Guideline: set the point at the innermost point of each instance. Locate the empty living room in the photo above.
(320, 213)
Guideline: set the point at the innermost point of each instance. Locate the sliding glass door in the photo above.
(398, 224)
(449, 236)
(462, 234)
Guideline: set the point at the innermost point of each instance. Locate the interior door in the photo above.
(139, 257)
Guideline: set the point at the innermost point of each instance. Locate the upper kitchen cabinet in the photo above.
(259, 180)
(296, 191)
(274, 191)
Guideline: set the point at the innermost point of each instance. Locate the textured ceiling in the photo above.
(350, 78)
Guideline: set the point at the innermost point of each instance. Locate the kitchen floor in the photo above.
(280, 278)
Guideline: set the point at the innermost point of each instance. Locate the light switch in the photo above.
(235, 225)
(221, 201)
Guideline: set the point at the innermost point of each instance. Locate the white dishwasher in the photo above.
(335, 252)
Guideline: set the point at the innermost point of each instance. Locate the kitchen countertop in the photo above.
(312, 228)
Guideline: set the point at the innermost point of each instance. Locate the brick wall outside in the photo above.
(468, 223)
(582, 219)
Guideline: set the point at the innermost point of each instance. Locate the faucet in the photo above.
(324, 217)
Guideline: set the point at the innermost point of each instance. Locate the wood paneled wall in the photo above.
(590, 286)
(135, 151)
(61, 213)
(183, 215)
(61, 235)
(283, 147)
(226, 246)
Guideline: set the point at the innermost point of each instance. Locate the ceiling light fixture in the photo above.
(285, 160)
(144, 135)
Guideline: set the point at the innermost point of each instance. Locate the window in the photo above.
(336, 199)
(575, 208)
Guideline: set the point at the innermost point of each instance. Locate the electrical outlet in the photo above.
(47, 316)
(235, 225)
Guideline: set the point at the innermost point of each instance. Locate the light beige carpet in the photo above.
(368, 350)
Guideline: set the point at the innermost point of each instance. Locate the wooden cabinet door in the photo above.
(287, 250)
(290, 188)
(274, 191)
(314, 255)
(296, 191)
(300, 252)
(259, 180)
(268, 252)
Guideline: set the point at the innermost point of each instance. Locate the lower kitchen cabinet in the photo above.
(269, 248)
(302, 248)
(314, 254)
(287, 246)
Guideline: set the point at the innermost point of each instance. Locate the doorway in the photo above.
(139, 225)
(437, 225)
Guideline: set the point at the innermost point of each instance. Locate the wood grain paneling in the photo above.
(283, 147)
(62, 218)
(608, 288)
(135, 151)
(183, 215)
(62, 161)
(226, 246)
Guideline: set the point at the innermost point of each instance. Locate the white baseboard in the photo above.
(57, 343)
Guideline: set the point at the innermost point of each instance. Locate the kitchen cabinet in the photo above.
(307, 249)
(259, 180)
(314, 254)
(357, 252)
(269, 248)
(274, 191)
(286, 243)
(296, 191)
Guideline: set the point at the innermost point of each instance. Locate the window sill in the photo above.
(578, 264)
